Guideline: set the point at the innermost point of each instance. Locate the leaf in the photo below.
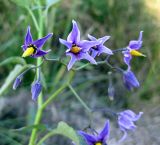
(26, 128)
(16, 60)
(13, 74)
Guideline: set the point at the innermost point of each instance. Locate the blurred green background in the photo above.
(120, 19)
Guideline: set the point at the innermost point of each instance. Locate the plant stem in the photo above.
(79, 99)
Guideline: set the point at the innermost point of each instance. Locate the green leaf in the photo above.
(62, 129)
(11, 77)
(15, 60)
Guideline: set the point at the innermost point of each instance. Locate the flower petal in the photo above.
(91, 37)
(40, 53)
(89, 138)
(72, 60)
(86, 45)
(105, 132)
(106, 50)
(124, 135)
(94, 53)
(66, 43)
(103, 39)
(88, 57)
(40, 42)
(28, 38)
(127, 57)
(74, 35)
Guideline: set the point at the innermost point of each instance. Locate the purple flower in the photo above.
(36, 89)
(132, 49)
(126, 121)
(99, 139)
(77, 49)
(17, 82)
(100, 48)
(33, 48)
(129, 79)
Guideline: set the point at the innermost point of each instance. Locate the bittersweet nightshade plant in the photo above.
(100, 48)
(132, 49)
(130, 80)
(99, 139)
(126, 121)
(33, 48)
(36, 89)
(77, 49)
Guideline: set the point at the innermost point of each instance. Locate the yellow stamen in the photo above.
(29, 51)
(136, 53)
(98, 143)
(75, 49)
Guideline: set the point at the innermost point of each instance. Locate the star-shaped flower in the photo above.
(77, 49)
(100, 48)
(33, 48)
(132, 49)
(126, 121)
(99, 139)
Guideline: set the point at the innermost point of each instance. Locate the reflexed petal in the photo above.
(91, 38)
(36, 89)
(140, 36)
(124, 135)
(133, 44)
(88, 57)
(103, 39)
(89, 138)
(28, 38)
(40, 53)
(131, 115)
(126, 123)
(40, 42)
(106, 50)
(105, 132)
(72, 60)
(86, 45)
(127, 57)
(74, 35)
(66, 43)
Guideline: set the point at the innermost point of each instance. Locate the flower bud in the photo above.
(36, 89)
(130, 80)
(17, 82)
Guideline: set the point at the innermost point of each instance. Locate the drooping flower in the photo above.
(33, 48)
(77, 49)
(100, 48)
(126, 121)
(17, 82)
(99, 139)
(130, 80)
(132, 49)
(36, 89)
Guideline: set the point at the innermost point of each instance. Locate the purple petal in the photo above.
(89, 138)
(105, 132)
(40, 42)
(103, 39)
(40, 53)
(74, 35)
(106, 50)
(72, 60)
(126, 123)
(140, 36)
(28, 38)
(66, 43)
(127, 57)
(131, 115)
(86, 45)
(88, 57)
(91, 38)
(94, 53)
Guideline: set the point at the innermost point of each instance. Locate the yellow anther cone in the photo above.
(136, 53)
(98, 143)
(29, 51)
(75, 49)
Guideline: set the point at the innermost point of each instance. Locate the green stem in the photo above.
(79, 99)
